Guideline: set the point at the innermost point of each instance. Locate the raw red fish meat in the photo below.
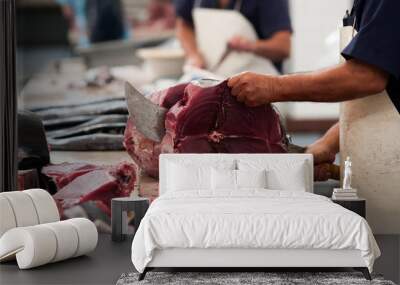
(64, 173)
(79, 182)
(207, 119)
(144, 151)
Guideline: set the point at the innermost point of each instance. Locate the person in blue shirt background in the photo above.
(372, 65)
(270, 19)
(75, 13)
(95, 20)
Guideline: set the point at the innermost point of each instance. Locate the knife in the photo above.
(149, 117)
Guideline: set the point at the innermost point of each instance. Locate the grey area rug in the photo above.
(268, 278)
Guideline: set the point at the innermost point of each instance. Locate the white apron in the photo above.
(214, 28)
(370, 135)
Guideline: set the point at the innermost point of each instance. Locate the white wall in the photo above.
(315, 45)
(313, 22)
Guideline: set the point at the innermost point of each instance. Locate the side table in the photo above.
(119, 206)
(357, 206)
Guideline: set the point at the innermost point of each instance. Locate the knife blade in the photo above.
(149, 117)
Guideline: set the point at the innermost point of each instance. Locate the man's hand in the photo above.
(322, 152)
(187, 38)
(240, 43)
(196, 60)
(323, 156)
(254, 89)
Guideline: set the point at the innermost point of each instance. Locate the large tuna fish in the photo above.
(206, 118)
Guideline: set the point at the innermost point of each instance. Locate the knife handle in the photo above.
(333, 169)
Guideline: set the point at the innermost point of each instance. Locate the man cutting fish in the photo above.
(372, 66)
(270, 20)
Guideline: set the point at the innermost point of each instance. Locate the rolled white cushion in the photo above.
(7, 218)
(23, 208)
(26, 208)
(33, 246)
(67, 240)
(45, 205)
(37, 245)
(87, 235)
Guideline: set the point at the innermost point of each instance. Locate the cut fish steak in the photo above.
(203, 117)
(80, 182)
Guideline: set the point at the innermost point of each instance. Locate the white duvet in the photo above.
(250, 219)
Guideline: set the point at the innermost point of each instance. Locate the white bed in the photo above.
(289, 226)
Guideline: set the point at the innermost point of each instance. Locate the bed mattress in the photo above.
(250, 219)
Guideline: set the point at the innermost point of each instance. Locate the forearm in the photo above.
(351, 80)
(276, 48)
(331, 138)
(186, 36)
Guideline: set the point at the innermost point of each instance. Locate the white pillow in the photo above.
(281, 174)
(236, 179)
(295, 180)
(251, 178)
(223, 179)
(188, 177)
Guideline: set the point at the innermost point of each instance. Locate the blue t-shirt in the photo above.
(267, 16)
(378, 40)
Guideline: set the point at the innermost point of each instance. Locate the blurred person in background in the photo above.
(270, 19)
(75, 13)
(161, 17)
(162, 13)
(93, 21)
(106, 20)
